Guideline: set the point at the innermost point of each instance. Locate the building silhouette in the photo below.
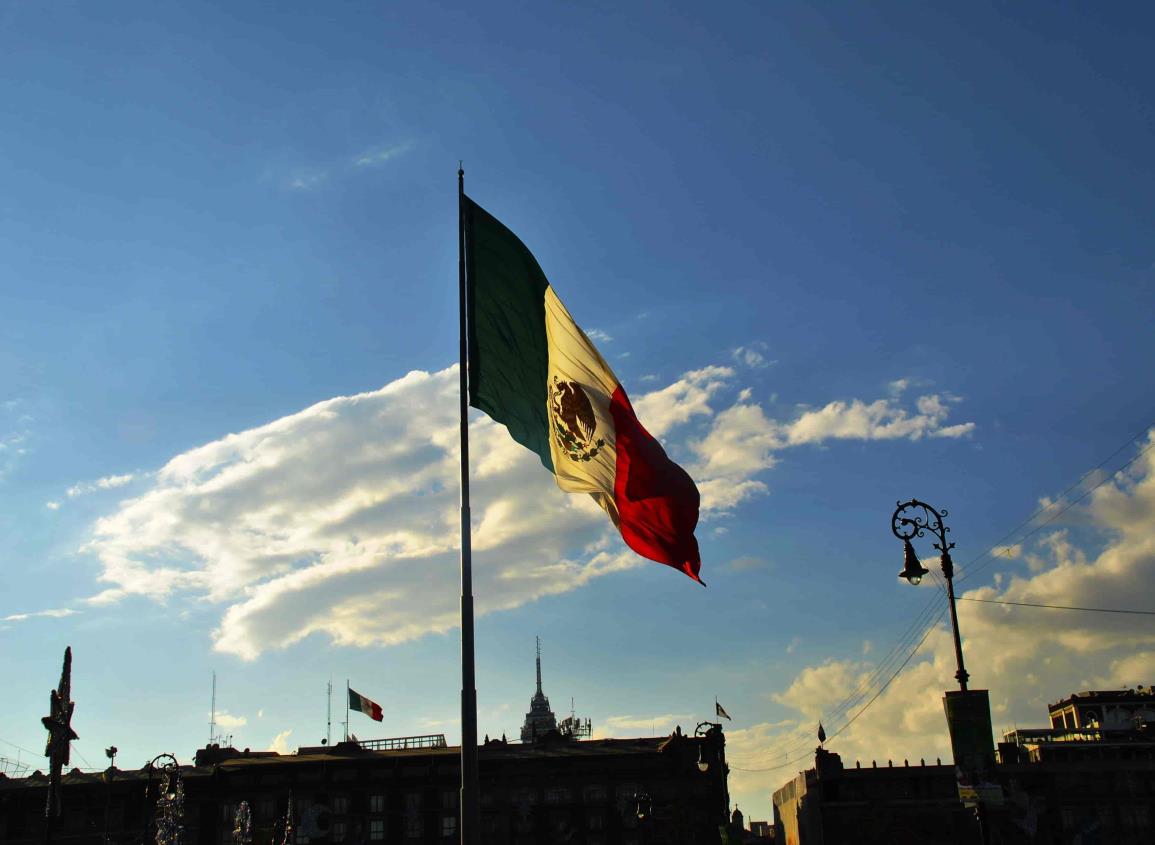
(540, 720)
(1076, 781)
(403, 790)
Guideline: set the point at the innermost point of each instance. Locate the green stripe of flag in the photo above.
(508, 356)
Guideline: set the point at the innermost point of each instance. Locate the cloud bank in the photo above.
(341, 520)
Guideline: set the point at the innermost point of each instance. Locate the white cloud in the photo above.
(633, 726)
(54, 613)
(380, 155)
(109, 482)
(747, 563)
(280, 742)
(52, 506)
(683, 400)
(752, 356)
(226, 720)
(743, 442)
(1027, 657)
(598, 336)
(331, 520)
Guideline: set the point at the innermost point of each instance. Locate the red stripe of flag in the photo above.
(657, 500)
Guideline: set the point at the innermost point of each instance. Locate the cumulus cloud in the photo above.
(1027, 657)
(328, 522)
(280, 742)
(226, 720)
(743, 441)
(598, 336)
(685, 399)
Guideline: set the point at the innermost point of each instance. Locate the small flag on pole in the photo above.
(362, 704)
(821, 733)
(719, 710)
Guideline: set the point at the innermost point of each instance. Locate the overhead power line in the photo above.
(968, 572)
(1060, 606)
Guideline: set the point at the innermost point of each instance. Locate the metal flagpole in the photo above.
(470, 819)
(347, 709)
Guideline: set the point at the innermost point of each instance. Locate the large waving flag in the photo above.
(532, 369)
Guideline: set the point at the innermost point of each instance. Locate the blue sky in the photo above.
(838, 257)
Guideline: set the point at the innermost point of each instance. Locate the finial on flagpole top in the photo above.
(460, 168)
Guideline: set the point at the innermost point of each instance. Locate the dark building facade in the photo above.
(558, 790)
(1078, 784)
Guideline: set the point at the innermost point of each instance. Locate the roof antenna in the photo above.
(213, 712)
(539, 692)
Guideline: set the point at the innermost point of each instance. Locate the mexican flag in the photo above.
(370, 708)
(532, 369)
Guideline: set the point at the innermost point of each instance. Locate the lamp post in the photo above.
(914, 519)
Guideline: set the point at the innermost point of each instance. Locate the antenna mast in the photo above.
(539, 692)
(213, 712)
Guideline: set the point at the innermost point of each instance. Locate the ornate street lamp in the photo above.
(914, 519)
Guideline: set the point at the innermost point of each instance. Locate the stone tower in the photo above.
(540, 719)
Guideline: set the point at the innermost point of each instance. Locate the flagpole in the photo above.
(347, 709)
(470, 819)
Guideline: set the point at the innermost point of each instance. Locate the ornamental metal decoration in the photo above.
(60, 734)
(170, 803)
(914, 519)
(243, 824)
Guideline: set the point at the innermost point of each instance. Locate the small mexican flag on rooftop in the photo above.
(532, 369)
(364, 705)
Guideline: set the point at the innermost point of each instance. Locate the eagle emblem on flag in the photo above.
(574, 423)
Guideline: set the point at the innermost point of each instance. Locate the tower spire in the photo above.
(539, 692)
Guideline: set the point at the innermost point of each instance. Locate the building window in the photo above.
(376, 803)
(594, 794)
(338, 831)
(557, 795)
(596, 821)
(340, 804)
(228, 813)
(301, 838)
(449, 800)
(266, 809)
(413, 826)
(376, 830)
(448, 826)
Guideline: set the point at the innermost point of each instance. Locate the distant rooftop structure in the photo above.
(540, 719)
(1118, 709)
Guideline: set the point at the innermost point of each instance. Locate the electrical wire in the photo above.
(866, 706)
(856, 696)
(969, 572)
(1060, 606)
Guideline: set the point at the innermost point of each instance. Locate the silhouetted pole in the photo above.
(907, 523)
(470, 819)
